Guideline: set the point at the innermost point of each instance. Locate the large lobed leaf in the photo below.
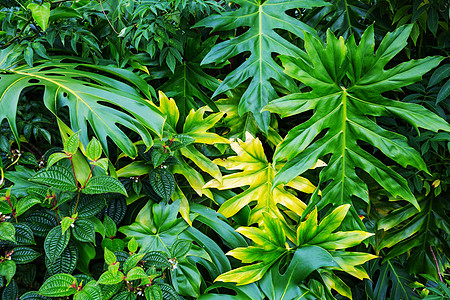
(347, 81)
(315, 247)
(258, 174)
(92, 99)
(262, 19)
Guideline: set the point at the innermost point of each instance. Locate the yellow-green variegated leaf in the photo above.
(196, 127)
(351, 262)
(309, 232)
(257, 174)
(246, 274)
(348, 82)
(269, 246)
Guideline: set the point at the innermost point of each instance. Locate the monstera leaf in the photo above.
(261, 40)
(347, 82)
(91, 98)
(258, 174)
(317, 246)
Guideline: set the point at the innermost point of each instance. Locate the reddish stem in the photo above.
(13, 211)
(89, 176)
(437, 265)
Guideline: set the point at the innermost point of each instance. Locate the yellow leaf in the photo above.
(256, 178)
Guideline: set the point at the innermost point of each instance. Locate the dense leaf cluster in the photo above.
(209, 149)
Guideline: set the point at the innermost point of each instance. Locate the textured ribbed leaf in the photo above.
(180, 248)
(110, 227)
(131, 262)
(162, 182)
(136, 273)
(7, 232)
(88, 205)
(41, 222)
(23, 234)
(25, 203)
(33, 296)
(125, 295)
(258, 174)
(55, 157)
(57, 177)
(262, 18)
(110, 278)
(11, 291)
(94, 149)
(342, 112)
(156, 259)
(72, 143)
(153, 292)
(55, 243)
(91, 291)
(168, 292)
(83, 92)
(104, 184)
(84, 231)
(109, 290)
(117, 208)
(65, 263)
(24, 255)
(58, 285)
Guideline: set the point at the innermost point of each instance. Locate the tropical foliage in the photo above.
(209, 149)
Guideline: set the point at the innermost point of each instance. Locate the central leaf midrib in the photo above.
(344, 138)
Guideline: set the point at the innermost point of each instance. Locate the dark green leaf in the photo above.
(162, 182)
(24, 255)
(57, 177)
(104, 184)
(55, 243)
(58, 285)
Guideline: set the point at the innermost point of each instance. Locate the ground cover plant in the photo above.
(208, 149)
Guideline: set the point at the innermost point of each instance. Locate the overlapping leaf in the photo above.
(347, 82)
(196, 127)
(186, 83)
(258, 174)
(317, 246)
(262, 18)
(343, 17)
(92, 99)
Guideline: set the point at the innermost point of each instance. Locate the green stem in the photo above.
(76, 204)
(73, 171)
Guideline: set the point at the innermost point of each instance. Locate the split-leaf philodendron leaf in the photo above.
(258, 174)
(261, 40)
(85, 94)
(317, 242)
(347, 81)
